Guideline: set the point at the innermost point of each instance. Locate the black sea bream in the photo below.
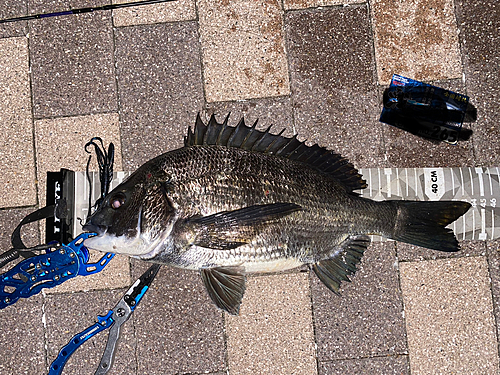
(236, 200)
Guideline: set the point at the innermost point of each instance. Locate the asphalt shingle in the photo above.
(331, 106)
(366, 320)
(160, 87)
(318, 68)
(17, 171)
(72, 66)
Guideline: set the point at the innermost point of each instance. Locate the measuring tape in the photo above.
(479, 186)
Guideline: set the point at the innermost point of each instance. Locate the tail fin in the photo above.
(423, 223)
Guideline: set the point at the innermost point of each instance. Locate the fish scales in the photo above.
(236, 200)
(221, 179)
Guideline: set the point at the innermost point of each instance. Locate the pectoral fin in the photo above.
(337, 269)
(225, 286)
(230, 229)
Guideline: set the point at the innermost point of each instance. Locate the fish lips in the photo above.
(91, 227)
(100, 221)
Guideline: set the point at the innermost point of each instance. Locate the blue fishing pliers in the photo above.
(61, 263)
(114, 319)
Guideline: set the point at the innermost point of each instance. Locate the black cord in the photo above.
(105, 161)
(18, 247)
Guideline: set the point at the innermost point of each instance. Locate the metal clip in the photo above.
(113, 320)
(48, 270)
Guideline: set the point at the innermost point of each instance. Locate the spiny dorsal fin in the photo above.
(249, 138)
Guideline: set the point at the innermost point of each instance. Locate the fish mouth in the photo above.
(91, 227)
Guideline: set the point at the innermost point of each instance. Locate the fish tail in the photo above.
(424, 223)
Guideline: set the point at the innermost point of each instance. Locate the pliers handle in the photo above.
(114, 319)
(103, 322)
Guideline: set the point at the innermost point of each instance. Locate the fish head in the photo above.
(134, 217)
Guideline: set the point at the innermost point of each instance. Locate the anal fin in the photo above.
(225, 286)
(343, 264)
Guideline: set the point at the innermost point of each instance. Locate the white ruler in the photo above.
(81, 195)
(479, 186)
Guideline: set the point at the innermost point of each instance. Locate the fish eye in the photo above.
(117, 200)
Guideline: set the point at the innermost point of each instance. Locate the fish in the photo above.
(235, 200)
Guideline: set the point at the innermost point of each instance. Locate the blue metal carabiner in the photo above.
(48, 270)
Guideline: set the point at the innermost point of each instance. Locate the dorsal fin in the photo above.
(249, 138)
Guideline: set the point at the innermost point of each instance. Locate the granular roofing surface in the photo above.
(139, 76)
